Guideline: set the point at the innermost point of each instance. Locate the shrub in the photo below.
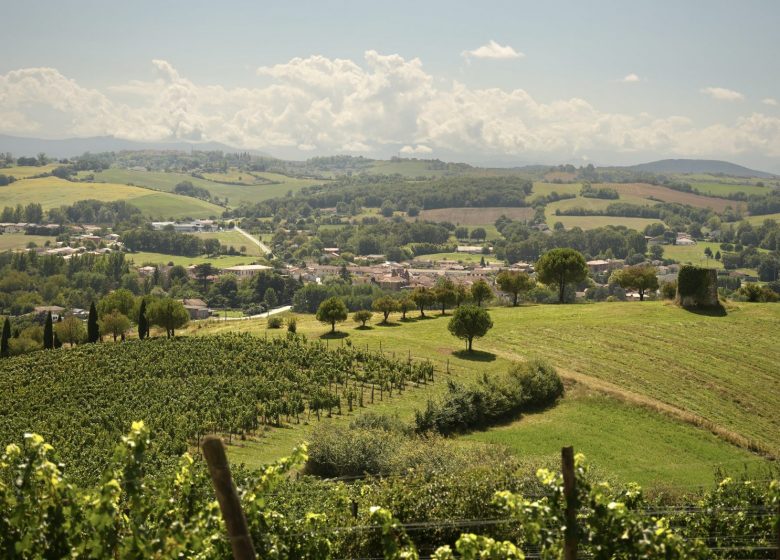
(669, 289)
(292, 324)
(275, 322)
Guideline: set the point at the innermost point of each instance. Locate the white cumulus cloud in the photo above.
(321, 105)
(769, 101)
(722, 94)
(631, 78)
(493, 50)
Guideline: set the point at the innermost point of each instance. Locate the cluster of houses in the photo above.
(186, 227)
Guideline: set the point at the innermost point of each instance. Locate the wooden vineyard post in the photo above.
(570, 494)
(229, 504)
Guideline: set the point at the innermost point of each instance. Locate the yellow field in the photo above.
(52, 192)
(23, 172)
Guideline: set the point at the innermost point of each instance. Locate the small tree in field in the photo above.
(331, 311)
(470, 322)
(445, 295)
(640, 278)
(560, 267)
(514, 283)
(385, 305)
(114, 324)
(168, 314)
(362, 317)
(71, 330)
(423, 297)
(405, 304)
(480, 291)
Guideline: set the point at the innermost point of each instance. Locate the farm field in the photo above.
(654, 355)
(221, 261)
(234, 239)
(405, 168)
(611, 432)
(475, 216)
(644, 190)
(278, 185)
(725, 189)
(543, 189)
(459, 257)
(593, 222)
(758, 220)
(13, 241)
(693, 254)
(25, 171)
(52, 192)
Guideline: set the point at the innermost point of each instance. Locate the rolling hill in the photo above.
(711, 166)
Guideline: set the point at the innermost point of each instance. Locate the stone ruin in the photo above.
(697, 287)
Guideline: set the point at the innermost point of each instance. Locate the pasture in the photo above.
(233, 239)
(593, 222)
(142, 258)
(644, 190)
(465, 258)
(542, 188)
(693, 254)
(475, 216)
(165, 206)
(759, 219)
(709, 374)
(725, 189)
(27, 171)
(15, 241)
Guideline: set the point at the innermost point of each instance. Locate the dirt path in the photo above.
(256, 241)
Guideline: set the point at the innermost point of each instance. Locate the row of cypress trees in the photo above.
(51, 341)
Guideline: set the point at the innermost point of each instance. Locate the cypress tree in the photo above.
(4, 353)
(48, 333)
(93, 330)
(56, 342)
(143, 324)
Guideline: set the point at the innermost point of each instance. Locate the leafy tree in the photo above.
(331, 311)
(211, 246)
(462, 295)
(478, 234)
(121, 300)
(708, 252)
(70, 330)
(202, 272)
(271, 298)
(115, 324)
(143, 322)
(717, 256)
(169, 314)
(48, 333)
(405, 304)
(656, 252)
(387, 209)
(423, 297)
(560, 267)
(480, 291)
(461, 232)
(93, 328)
(385, 305)
(6, 336)
(640, 278)
(444, 292)
(470, 322)
(362, 316)
(514, 282)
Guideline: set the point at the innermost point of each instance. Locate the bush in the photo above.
(669, 290)
(292, 324)
(275, 322)
(530, 385)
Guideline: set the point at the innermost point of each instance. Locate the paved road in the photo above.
(263, 247)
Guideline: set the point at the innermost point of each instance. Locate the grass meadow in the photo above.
(141, 258)
(14, 241)
(658, 369)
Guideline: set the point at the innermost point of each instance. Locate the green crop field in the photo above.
(592, 222)
(475, 217)
(758, 220)
(165, 206)
(543, 189)
(693, 254)
(725, 189)
(277, 185)
(13, 241)
(681, 369)
(141, 258)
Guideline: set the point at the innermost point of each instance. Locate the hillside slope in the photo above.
(711, 166)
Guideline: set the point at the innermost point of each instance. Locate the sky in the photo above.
(509, 83)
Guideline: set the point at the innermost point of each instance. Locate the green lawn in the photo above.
(164, 206)
(234, 239)
(142, 258)
(693, 254)
(667, 363)
(13, 241)
(611, 434)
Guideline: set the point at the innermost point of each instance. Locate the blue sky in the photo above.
(551, 88)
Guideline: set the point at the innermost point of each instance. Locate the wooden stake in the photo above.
(570, 493)
(229, 504)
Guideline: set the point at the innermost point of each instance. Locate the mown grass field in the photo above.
(542, 188)
(25, 171)
(52, 192)
(13, 241)
(758, 220)
(674, 368)
(475, 216)
(141, 258)
(693, 254)
(593, 222)
(466, 258)
(233, 239)
(277, 185)
(725, 189)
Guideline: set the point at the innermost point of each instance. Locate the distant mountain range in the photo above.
(712, 166)
(70, 147)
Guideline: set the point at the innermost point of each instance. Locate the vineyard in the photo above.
(83, 400)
